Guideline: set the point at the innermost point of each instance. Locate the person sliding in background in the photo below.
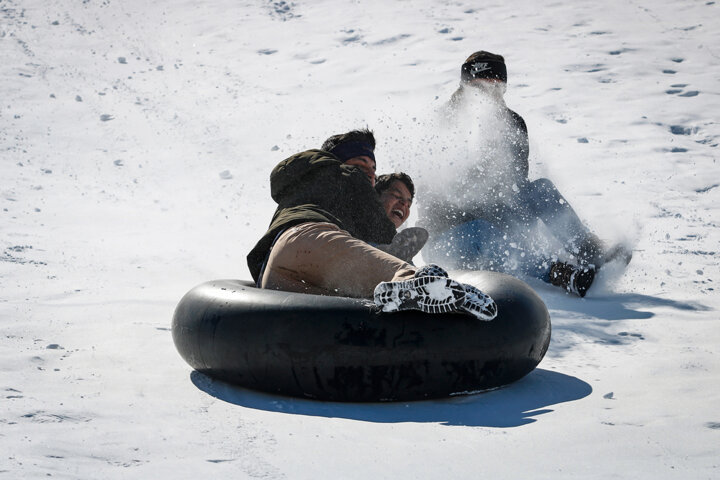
(317, 240)
(488, 217)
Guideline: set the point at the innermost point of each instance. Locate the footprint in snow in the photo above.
(674, 91)
(635, 335)
(391, 40)
(12, 393)
(45, 417)
(596, 68)
(620, 51)
(681, 130)
(707, 189)
(351, 39)
(282, 10)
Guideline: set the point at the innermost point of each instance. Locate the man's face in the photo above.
(397, 202)
(366, 164)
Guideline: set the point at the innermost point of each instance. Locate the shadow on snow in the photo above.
(593, 319)
(511, 406)
(623, 306)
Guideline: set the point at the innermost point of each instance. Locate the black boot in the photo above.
(574, 279)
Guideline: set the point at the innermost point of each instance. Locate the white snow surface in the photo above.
(136, 142)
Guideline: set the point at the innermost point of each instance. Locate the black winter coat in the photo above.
(315, 186)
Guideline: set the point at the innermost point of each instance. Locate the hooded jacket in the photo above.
(315, 186)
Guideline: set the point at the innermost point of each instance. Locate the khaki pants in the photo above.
(321, 258)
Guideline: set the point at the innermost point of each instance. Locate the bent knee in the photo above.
(543, 183)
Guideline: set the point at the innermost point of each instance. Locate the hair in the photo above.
(364, 136)
(383, 182)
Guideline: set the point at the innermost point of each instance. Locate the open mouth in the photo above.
(399, 214)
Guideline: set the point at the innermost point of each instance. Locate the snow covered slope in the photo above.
(136, 141)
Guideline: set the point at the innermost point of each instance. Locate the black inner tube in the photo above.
(342, 349)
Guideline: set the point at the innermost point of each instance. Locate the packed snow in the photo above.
(136, 142)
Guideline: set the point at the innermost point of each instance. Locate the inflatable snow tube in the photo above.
(343, 349)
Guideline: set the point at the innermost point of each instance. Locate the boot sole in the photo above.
(479, 304)
(581, 281)
(427, 294)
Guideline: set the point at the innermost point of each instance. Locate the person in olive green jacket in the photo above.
(332, 190)
(318, 240)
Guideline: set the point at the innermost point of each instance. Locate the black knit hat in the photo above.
(483, 64)
(351, 144)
